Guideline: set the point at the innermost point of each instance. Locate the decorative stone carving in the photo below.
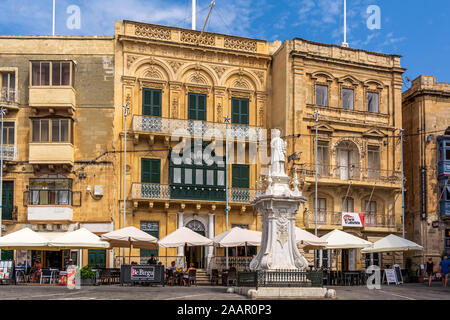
(194, 38)
(175, 65)
(219, 70)
(219, 112)
(260, 75)
(175, 108)
(130, 60)
(240, 44)
(153, 73)
(153, 32)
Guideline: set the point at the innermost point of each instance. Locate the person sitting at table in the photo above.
(37, 268)
(186, 274)
(172, 266)
(152, 259)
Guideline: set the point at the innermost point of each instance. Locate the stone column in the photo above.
(211, 235)
(180, 250)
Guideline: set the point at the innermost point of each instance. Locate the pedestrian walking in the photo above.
(444, 266)
(429, 270)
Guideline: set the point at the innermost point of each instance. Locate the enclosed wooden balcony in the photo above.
(51, 153)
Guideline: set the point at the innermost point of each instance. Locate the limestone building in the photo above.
(177, 79)
(426, 119)
(357, 95)
(58, 96)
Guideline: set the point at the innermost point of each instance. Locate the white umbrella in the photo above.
(392, 243)
(128, 236)
(184, 236)
(338, 239)
(24, 239)
(79, 239)
(309, 240)
(238, 237)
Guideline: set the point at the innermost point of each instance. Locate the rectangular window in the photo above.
(8, 133)
(197, 106)
(57, 129)
(188, 176)
(372, 102)
(348, 205)
(176, 175)
(373, 162)
(220, 178)
(239, 110)
(50, 73)
(322, 158)
(151, 102)
(8, 81)
(322, 95)
(199, 176)
(240, 176)
(322, 210)
(50, 191)
(150, 170)
(210, 177)
(347, 98)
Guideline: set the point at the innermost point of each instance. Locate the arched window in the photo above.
(196, 226)
(347, 161)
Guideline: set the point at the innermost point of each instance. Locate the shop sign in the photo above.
(143, 273)
(352, 219)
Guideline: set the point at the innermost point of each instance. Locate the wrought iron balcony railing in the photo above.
(183, 127)
(9, 152)
(350, 173)
(9, 96)
(335, 219)
(156, 191)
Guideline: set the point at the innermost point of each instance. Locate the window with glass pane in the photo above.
(51, 73)
(372, 102)
(322, 158)
(36, 73)
(197, 106)
(322, 210)
(50, 191)
(199, 176)
(220, 178)
(177, 175)
(8, 133)
(347, 98)
(348, 205)
(373, 161)
(8, 92)
(57, 129)
(188, 176)
(239, 110)
(45, 73)
(45, 130)
(371, 213)
(322, 95)
(210, 177)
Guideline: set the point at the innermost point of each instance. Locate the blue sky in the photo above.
(416, 29)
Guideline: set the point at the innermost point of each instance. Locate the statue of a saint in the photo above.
(278, 154)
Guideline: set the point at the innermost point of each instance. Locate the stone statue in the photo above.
(278, 154)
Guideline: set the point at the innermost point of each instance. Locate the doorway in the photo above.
(196, 255)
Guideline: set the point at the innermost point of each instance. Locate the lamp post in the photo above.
(316, 116)
(403, 187)
(227, 120)
(126, 108)
(2, 112)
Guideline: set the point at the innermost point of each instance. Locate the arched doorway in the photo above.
(196, 255)
(347, 161)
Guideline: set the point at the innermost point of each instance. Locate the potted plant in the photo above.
(88, 276)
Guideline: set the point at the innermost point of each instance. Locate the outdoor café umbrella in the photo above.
(238, 237)
(184, 237)
(79, 239)
(130, 236)
(393, 243)
(24, 239)
(309, 240)
(338, 239)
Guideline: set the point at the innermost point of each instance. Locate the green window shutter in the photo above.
(240, 176)
(197, 106)
(245, 177)
(150, 170)
(97, 258)
(151, 102)
(8, 200)
(239, 110)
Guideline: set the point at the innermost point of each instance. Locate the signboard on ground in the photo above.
(389, 276)
(352, 219)
(398, 274)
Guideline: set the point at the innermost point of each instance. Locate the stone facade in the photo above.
(347, 137)
(86, 101)
(426, 115)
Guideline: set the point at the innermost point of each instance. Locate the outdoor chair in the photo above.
(214, 276)
(47, 274)
(170, 277)
(231, 277)
(192, 277)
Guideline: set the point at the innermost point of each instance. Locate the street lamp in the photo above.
(126, 109)
(2, 112)
(227, 120)
(403, 187)
(316, 116)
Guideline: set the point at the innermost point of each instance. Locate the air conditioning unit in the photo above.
(98, 190)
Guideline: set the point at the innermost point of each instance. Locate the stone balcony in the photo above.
(193, 128)
(52, 97)
(51, 153)
(9, 99)
(10, 153)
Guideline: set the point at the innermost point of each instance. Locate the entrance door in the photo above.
(97, 258)
(196, 255)
(53, 259)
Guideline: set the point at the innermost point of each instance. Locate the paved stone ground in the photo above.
(117, 292)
